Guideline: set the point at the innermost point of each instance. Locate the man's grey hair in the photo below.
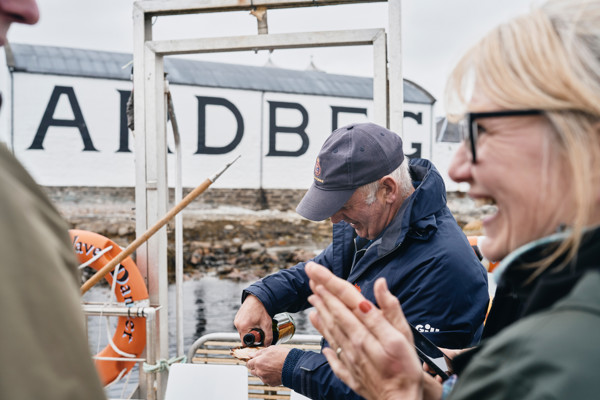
(401, 176)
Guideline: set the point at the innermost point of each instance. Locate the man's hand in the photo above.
(268, 363)
(450, 353)
(252, 314)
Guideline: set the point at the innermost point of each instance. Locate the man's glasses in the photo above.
(469, 130)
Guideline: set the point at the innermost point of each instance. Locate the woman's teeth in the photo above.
(480, 202)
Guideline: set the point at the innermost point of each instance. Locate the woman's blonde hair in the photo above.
(548, 59)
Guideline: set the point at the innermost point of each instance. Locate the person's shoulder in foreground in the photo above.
(44, 350)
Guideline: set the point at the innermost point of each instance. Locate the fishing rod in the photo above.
(97, 277)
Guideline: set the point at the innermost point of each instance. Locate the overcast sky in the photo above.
(435, 32)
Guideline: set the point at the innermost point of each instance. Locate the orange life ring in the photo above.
(474, 242)
(489, 265)
(130, 288)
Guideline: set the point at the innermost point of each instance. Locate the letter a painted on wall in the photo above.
(48, 120)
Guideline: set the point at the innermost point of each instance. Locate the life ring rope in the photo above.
(118, 378)
(114, 346)
(96, 257)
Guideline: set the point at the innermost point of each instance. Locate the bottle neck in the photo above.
(283, 329)
(254, 338)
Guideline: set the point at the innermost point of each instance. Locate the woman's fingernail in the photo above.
(364, 306)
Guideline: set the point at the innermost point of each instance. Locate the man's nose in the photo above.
(460, 165)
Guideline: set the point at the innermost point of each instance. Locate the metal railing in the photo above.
(215, 348)
(149, 313)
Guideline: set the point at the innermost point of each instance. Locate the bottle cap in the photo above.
(253, 338)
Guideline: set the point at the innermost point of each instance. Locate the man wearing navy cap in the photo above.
(390, 220)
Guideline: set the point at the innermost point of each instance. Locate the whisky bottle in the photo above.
(283, 330)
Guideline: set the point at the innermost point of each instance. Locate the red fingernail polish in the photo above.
(364, 306)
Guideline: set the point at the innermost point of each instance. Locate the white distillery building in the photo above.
(64, 116)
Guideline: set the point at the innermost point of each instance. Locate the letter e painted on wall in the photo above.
(336, 111)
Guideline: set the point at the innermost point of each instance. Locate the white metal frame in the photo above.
(150, 110)
(149, 313)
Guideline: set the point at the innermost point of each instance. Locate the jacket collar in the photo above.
(416, 217)
(508, 269)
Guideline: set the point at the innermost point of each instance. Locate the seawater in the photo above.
(209, 305)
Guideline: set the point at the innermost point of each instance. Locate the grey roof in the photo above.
(102, 64)
(447, 131)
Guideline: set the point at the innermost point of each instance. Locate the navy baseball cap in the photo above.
(351, 157)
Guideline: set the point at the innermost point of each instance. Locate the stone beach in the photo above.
(234, 241)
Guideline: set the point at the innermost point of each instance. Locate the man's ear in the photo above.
(389, 188)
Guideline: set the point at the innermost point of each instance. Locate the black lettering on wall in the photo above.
(339, 110)
(48, 120)
(299, 130)
(123, 128)
(418, 117)
(217, 101)
(417, 152)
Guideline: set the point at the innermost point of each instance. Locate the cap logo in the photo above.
(318, 171)
(317, 167)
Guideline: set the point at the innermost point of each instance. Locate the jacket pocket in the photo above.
(310, 379)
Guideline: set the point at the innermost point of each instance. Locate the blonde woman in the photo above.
(528, 98)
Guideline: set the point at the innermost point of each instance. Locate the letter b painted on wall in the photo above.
(299, 130)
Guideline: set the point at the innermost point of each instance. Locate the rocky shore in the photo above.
(234, 242)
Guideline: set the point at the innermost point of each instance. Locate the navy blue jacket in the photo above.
(427, 262)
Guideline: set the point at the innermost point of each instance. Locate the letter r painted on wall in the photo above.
(217, 101)
(48, 119)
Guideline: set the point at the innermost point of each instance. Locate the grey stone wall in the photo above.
(252, 199)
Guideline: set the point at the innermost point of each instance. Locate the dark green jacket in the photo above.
(552, 351)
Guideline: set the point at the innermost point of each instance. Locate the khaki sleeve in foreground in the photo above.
(44, 352)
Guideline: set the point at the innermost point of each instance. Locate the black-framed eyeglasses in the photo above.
(469, 130)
